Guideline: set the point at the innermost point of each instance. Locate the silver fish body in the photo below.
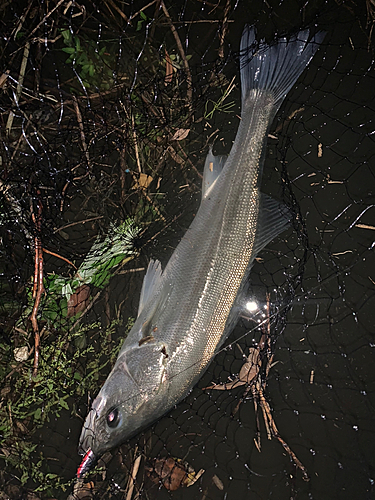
(186, 312)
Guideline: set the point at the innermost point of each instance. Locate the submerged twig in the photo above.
(38, 284)
(21, 77)
(271, 425)
(189, 161)
(142, 9)
(132, 477)
(118, 10)
(78, 222)
(189, 81)
(224, 29)
(146, 195)
(82, 132)
(251, 376)
(59, 257)
(46, 17)
(136, 146)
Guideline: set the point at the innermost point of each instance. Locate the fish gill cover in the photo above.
(108, 110)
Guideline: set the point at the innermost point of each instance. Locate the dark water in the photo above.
(320, 275)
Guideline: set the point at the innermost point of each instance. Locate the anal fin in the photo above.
(274, 218)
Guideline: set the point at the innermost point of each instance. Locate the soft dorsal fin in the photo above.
(212, 169)
(151, 282)
(274, 218)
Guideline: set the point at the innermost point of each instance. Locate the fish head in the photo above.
(112, 417)
(128, 401)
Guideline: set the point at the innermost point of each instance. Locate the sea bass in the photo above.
(187, 310)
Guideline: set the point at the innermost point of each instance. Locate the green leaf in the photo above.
(143, 15)
(69, 50)
(100, 280)
(64, 404)
(66, 290)
(139, 26)
(66, 35)
(49, 475)
(84, 71)
(82, 59)
(24, 477)
(37, 413)
(78, 43)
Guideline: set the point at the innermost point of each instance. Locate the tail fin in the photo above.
(276, 67)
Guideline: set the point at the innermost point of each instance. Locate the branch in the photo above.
(38, 285)
(189, 92)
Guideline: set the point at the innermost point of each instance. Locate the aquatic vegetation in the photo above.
(94, 63)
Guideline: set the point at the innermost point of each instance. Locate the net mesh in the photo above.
(107, 110)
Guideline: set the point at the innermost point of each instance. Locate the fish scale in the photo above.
(187, 311)
(232, 252)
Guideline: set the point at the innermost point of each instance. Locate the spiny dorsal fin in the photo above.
(212, 169)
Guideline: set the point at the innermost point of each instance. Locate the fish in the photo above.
(188, 310)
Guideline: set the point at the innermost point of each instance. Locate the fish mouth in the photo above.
(86, 445)
(87, 438)
(87, 463)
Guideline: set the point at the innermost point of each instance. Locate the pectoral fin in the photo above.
(146, 365)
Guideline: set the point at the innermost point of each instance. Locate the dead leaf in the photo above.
(173, 473)
(4, 392)
(21, 427)
(3, 78)
(180, 134)
(31, 496)
(84, 491)
(21, 353)
(78, 301)
(249, 371)
(143, 181)
(250, 368)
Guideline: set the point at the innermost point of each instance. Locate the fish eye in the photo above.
(113, 418)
